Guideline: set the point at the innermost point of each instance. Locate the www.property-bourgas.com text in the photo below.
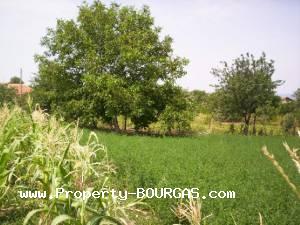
(123, 195)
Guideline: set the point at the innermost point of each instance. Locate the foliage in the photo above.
(292, 108)
(231, 128)
(200, 99)
(289, 107)
(288, 123)
(178, 113)
(297, 97)
(214, 108)
(38, 153)
(118, 48)
(265, 114)
(7, 95)
(16, 80)
(297, 105)
(245, 86)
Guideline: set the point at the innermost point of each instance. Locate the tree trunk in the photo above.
(210, 125)
(115, 122)
(254, 125)
(247, 118)
(125, 123)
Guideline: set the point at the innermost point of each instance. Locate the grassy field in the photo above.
(212, 162)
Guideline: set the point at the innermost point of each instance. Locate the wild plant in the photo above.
(190, 211)
(39, 153)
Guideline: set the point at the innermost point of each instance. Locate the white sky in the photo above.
(204, 31)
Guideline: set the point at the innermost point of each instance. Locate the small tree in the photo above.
(245, 86)
(288, 124)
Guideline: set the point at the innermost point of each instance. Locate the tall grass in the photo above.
(37, 152)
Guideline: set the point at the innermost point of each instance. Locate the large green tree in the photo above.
(244, 86)
(111, 61)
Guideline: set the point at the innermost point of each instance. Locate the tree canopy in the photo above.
(110, 61)
(16, 80)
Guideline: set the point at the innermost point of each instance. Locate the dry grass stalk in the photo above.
(190, 211)
(234, 222)
(260, 219)
(280, 170)
(293, 155)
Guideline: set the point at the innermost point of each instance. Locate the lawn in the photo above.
(212, 162)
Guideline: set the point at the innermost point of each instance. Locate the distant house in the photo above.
(21, 89)
(286, 100)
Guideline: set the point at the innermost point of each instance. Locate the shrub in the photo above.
(261, 132)
(288, 124)
(7, 95)
(173, 120)
(231, 128)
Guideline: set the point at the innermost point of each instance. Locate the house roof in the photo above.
(20, 88)
(286, 99)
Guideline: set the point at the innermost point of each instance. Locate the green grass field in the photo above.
(212, 162)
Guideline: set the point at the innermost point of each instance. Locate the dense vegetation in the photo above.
(111, 62)
(38, 153)
(7, 95)
(111, 65)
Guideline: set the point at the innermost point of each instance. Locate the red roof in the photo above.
(20, 88)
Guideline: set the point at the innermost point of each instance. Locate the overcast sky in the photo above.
(204, 31)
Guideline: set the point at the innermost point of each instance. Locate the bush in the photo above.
(261, 132)
(7, 95)
(288, 124)
(231, 128)
(173, 120)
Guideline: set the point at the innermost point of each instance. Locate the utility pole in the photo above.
(21, 76)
